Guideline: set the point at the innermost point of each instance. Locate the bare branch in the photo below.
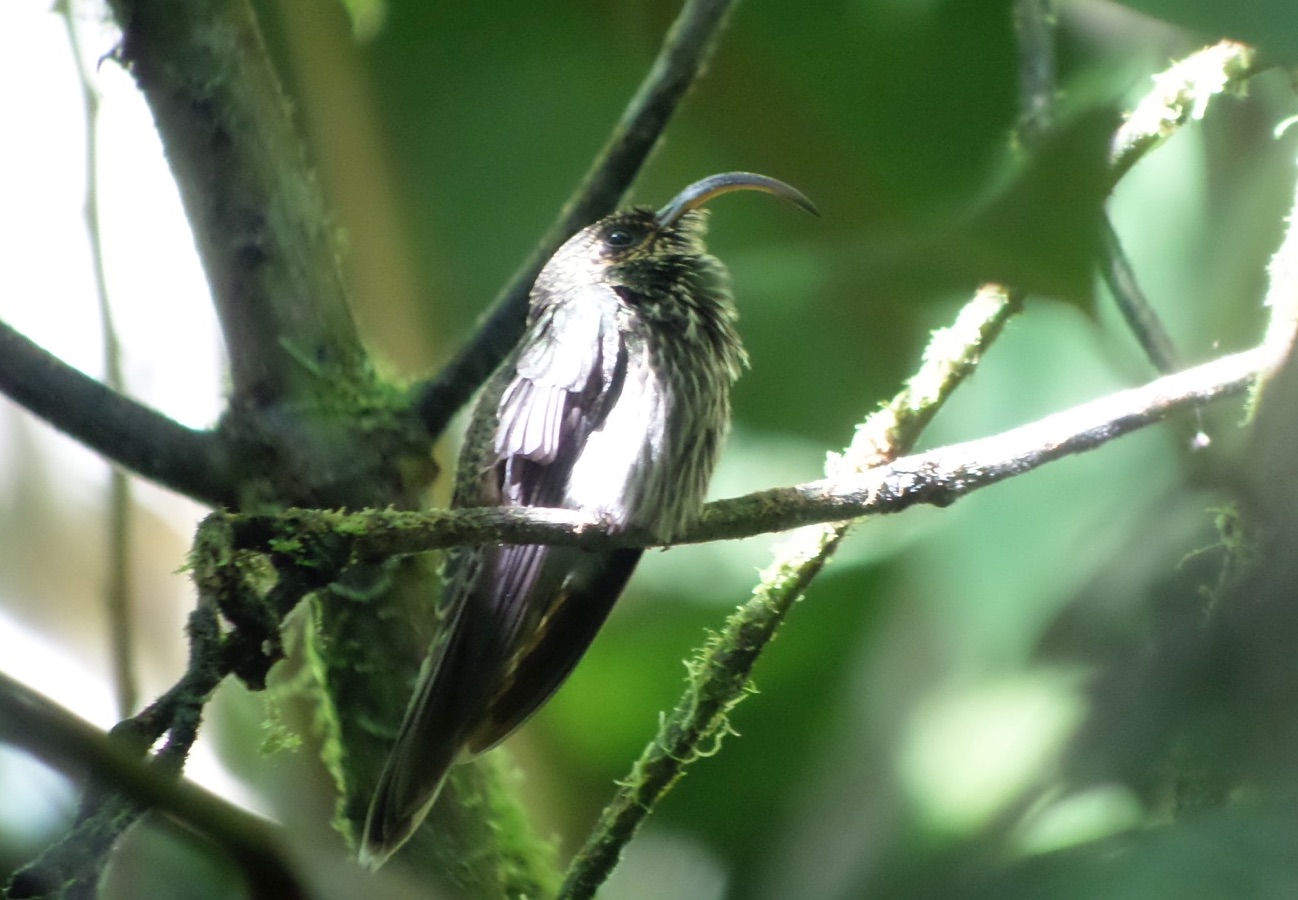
(121, 429)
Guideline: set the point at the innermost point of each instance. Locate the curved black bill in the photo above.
(702, 191)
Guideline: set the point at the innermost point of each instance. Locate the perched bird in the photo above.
(615, 403)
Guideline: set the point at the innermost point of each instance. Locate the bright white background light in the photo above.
(172, 356)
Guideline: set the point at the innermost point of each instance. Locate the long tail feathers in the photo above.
(406, 792)
(426, 747)
(498, 661)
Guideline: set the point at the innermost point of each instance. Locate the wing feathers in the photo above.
(560, 633)
(517, 617)
(561, 376)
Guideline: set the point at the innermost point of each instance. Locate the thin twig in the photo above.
(1035, 23)
(1144, 322)
(1180, 94)
(684, 53)
(117, 592)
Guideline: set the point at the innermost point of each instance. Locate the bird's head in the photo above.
(652, 252)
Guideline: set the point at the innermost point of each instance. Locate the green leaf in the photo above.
(1040, 230)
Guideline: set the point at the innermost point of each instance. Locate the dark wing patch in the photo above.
(560, 631)
(568, 373)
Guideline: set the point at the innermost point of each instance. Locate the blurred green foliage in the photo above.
(937, 633)
(897, 118)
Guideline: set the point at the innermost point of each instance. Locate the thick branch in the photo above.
(124, 431)
(259, 222)
(684, 52)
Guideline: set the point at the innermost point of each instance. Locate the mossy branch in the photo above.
(936, 477)
(1181, 94)
(310, 548)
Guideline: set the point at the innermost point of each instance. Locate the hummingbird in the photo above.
(615, 402)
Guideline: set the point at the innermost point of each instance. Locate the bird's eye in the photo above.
(621, 238)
